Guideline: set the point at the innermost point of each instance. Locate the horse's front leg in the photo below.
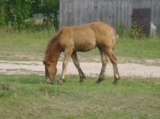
(76, 63)
(64, 67)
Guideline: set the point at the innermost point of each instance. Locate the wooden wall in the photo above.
(78, 12)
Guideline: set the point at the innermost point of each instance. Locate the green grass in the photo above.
(24, 45)
(142, 51)
(29, 97)
(27, 45)
(146, 48)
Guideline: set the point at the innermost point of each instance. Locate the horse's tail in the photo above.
(114, 37)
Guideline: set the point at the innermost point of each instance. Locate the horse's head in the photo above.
(50, 71)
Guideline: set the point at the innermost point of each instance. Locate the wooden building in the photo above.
(112, 12)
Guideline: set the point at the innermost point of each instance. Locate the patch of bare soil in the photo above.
(89, 68)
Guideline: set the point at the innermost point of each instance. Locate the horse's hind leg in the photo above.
(104, 59)
(76, 63)
(113, 59)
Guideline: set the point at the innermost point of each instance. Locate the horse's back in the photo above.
(88, 36)
(80, 38)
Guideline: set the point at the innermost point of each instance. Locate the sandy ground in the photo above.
(89, 68)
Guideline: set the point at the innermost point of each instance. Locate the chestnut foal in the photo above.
(81, 38)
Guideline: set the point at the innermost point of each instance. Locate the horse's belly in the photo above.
(85, 40)
(86, 46)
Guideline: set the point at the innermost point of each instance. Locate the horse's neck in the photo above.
(55, 57)
(54, 54)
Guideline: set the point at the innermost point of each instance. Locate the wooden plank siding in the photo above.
(78, 12)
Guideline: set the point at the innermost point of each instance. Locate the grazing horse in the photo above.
(80, 38)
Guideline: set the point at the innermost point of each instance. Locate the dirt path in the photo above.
(89, 68)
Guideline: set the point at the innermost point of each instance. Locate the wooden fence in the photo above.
(78, 12)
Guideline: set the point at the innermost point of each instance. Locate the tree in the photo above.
(15, 12)
(49, 9)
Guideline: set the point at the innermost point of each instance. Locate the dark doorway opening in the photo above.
(142, 18)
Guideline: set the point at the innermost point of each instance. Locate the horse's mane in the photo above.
(51, 44)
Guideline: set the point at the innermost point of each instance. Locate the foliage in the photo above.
(2, 14)
(120, 28)
(17, 13)
(49, 9)
(136, 30)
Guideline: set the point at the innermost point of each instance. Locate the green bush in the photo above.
(15, 13)
(136, 30)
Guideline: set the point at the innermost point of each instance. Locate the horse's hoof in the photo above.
(97, 81)
(81, 81)
(115, 82)
(50, 83)
(59, 83)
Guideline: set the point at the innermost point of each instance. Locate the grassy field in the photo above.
(24, 45)
(27, 45)
(29, 97)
